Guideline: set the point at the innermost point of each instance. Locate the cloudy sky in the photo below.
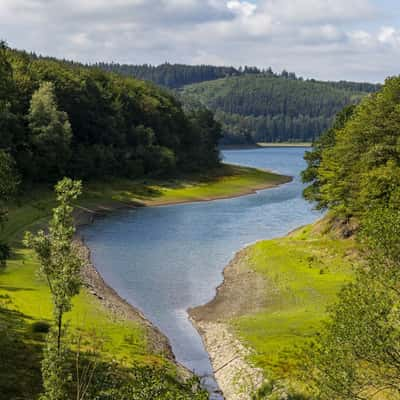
(326, 39)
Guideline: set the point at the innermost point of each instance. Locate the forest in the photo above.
(354, 173)
(172, 75)
(178, 75)
(273, 108)
(60, 118)
(253, 104)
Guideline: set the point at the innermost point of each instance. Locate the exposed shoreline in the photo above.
(245, 192)
(121, 308)
(236, 377)
(108, 297)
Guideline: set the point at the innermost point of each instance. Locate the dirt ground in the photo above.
(242, 292)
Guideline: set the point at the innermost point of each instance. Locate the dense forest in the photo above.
(178, 75)
(273, 108)
(354, 173)
(60, 118)
(254, 104)
(172, 75)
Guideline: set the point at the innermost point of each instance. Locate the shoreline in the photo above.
(244, 292)
(105, 294)
(265, 145)
(121, 308)
(246, 192)
(236, 377)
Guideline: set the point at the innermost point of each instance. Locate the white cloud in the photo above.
(331, 39)
(389, 35)
(243, 8)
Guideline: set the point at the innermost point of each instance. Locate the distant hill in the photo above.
(253, 104)
(171, 75)
(273, 108)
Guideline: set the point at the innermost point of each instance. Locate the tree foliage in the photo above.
(60, 264)
(8, 187)
(67, 119)
(358, 355)
(356, 166)
(266, 107)
(170, 75)
(354, 171)
(51, 133)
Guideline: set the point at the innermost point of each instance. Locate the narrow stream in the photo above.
(164, 260)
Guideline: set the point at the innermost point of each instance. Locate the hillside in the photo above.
(253, 104)
(60, 118)
(272, 108)
(171, 75)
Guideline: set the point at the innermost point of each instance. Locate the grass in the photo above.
(25, 300)
(305, 270)
(32, 210)
(30, 296)
(228, 181)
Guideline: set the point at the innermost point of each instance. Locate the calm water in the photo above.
(166, 259)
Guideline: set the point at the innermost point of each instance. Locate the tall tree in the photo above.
(8, 186)
(357, 357)
(354, 171)
(359, 168)
(60, 264)
(51, 132)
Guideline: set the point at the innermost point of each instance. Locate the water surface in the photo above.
(166, 259)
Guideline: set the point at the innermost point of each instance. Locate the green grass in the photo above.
(32, 210)
(25, 298)
(30, 296)
(227, 181)
(305, 270)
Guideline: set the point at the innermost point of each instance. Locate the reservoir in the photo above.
(164, 260)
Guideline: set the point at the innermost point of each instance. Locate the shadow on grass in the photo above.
(20, 355)
(16, 289)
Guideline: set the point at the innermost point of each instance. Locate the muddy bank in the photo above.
(241, 292)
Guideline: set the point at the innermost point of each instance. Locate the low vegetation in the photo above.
(26, 307)
(304, 272)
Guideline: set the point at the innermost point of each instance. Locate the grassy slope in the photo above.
(28, 296)
(306, 270)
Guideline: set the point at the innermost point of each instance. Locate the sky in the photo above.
(323, 39)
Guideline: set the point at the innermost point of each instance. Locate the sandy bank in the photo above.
(239, 293)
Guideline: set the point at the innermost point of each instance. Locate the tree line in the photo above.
(273, 108)
(59, 118)
(178, 75)
(354, 173)
(251, 103)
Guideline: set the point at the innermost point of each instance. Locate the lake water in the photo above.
(166, 259)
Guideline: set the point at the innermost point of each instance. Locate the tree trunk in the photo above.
(60, 316)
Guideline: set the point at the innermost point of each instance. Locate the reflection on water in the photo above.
(166, 259)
